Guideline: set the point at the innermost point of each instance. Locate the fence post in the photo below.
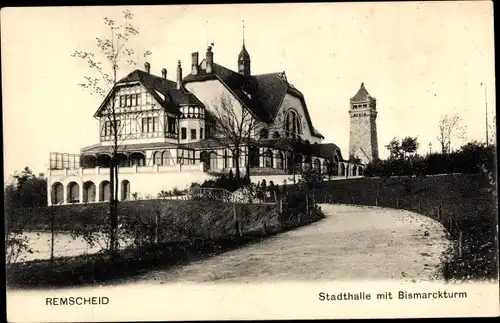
(460, 244)
(352, 199)
(237, 222)
(397, 202)
(52, 222)
(157, 220)
(419, 206)
(376, 200)
(307, 206)
(282, 220)
(439, 212)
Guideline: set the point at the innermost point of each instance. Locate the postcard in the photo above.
(250, 161)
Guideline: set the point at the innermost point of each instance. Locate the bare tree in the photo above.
(450, 128)
(233, 127)
(115, 52)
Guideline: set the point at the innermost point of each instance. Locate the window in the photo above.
(122, 100)
(193, 134)
(201, 133)
(108, 128)
(183, 133)
(171, 125)
(150, 124)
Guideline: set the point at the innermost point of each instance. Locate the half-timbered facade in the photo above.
(165, 136)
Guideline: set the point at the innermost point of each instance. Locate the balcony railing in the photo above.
(127, 170)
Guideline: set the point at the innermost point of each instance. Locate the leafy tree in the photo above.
(26, 190)
(409, 145)
(395, 149)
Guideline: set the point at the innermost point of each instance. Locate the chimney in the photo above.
(164, 73)
(179, 74)
(194, 63)
(147, 67)
(209, 60)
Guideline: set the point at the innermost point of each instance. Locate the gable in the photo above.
(135, 97)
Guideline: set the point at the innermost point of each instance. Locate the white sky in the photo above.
(420, 60)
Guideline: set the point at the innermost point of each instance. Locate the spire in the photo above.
(244, 57)
(362, 94)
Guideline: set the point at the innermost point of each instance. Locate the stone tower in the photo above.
(363, 141)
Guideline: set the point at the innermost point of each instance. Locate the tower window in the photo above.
(193, 134)
(183, 133)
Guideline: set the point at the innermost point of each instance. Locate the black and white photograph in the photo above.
(250, 161)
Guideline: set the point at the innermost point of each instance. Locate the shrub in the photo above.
(227, 182)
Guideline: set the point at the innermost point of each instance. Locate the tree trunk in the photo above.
(236, 158)
(112, 207)
(247, 163)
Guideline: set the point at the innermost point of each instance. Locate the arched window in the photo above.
(104, 191)
(73, 193)
(157, 158)
(317, 165)
(226, 159)
(213, 160)
(57, 193)
(89, 192)
(279, 160)
(292, 124)
(137, 159)
(125, 190)
(165, 158)
(268, 159)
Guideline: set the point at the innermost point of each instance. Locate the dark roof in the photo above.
(244, 54)
(98, 148)
(207, 143)
(262, 94)
(317, 150)
(326, 150)
(362, 94)
(172, 97)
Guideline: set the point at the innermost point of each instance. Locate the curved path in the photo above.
(352, 242)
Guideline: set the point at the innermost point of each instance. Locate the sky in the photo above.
(419, 60)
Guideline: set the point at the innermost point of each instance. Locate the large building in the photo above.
(167, 134)
(363, 143)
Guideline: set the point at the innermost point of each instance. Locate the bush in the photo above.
(468, 160)
(226, 181)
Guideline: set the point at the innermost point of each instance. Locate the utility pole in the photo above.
(486, 108)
